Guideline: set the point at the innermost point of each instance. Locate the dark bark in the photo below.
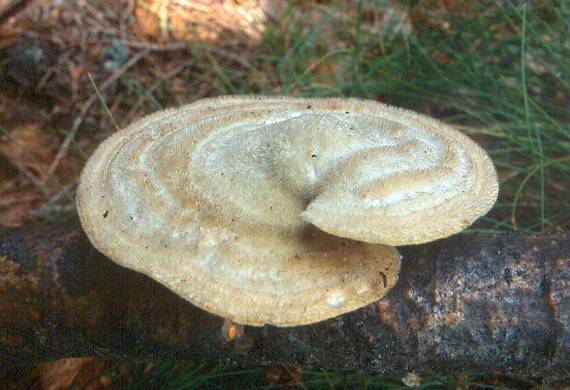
(499, 304)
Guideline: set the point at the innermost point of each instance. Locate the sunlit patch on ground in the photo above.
(184, 20)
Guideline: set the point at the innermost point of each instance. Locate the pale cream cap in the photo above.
(279, 211)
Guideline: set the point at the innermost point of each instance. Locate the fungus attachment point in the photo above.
(231, 331)
(263, 211)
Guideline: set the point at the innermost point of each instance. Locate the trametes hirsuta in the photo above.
(281, 211)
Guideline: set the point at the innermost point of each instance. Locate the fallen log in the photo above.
(493, 304)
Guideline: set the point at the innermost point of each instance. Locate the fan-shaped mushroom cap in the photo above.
(249, 206)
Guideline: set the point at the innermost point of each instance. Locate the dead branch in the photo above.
(495, 304)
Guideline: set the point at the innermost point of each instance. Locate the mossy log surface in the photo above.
(493, 304)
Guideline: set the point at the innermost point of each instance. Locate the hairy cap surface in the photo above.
(280, 210)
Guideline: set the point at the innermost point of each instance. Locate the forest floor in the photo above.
(74, 71)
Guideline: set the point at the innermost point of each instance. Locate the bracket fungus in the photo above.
(280, 211)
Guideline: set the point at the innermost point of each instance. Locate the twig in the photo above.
(30, 176)
(11, 8)
(48, 206)
(168, 76)
(22, 168)
(157, 47)
(87, 106)
(186, 46)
